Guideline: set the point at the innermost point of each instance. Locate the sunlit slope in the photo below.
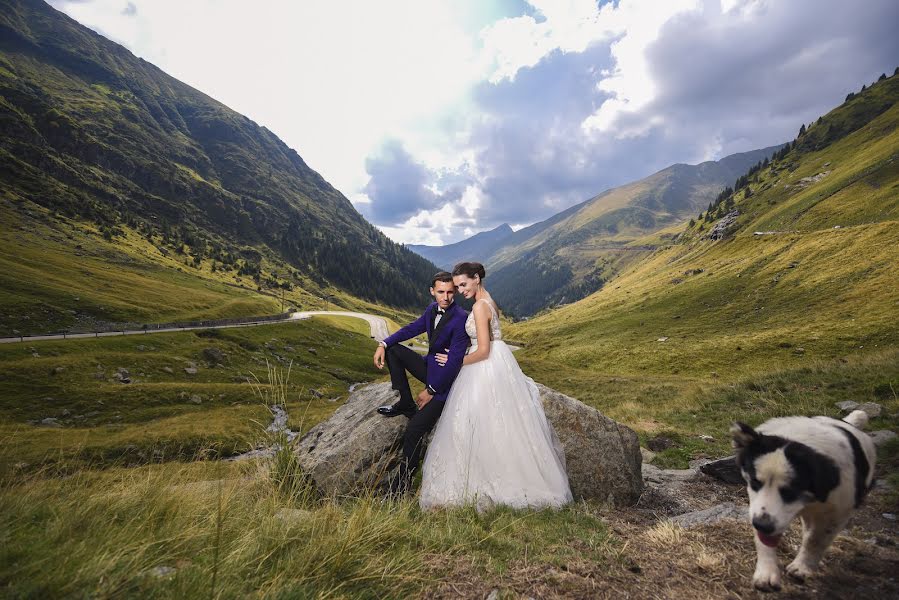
(819, 283)
(575, 252)
(61, 274)
(96, 135)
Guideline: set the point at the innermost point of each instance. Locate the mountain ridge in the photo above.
(95, 133)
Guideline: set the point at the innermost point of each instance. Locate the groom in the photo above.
(444, 323)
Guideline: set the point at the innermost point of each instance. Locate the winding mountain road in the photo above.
(377, 324)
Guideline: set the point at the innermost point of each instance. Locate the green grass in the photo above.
(220, 527)
(156, 416)
(684, 408)
(57, 273)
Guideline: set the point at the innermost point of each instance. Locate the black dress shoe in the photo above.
(395, 411)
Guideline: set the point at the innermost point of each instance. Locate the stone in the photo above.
(882, 437)
(647, 455)
(722, 227)
(493, 595)
(59, 370)
(162, 572)
(872, 409)
(719, 512)
(659, 443)
(602, 456)
(847, 406)
(213, 355)
(357, 449)
(168, 370)
(50, 422)
(190, 370)
(707, 439)
(196, 399)
(724, 469)
(313, 351)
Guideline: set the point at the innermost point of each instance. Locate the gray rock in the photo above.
(847, 406)
(647, 455)
(602, 456)
(196, 399)
(358, 449)
(871, 408)
(162, 572)
(213, 355)
(493, 595)
(50, 422)
(659, 443)
(168, 370)
(59, 370)
(313, 351)
(725, 469)
(722, 227)
(719, 512)
(882, 437)
(190, 370)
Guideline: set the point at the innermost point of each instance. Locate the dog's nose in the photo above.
(764, 523)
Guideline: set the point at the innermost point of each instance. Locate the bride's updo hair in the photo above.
(470, 269)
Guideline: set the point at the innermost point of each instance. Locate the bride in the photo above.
(493, 444)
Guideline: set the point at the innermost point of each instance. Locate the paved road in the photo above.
(377, 324)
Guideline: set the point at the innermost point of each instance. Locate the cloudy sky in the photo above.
(442, 118)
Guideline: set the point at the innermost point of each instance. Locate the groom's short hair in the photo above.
(441, 276)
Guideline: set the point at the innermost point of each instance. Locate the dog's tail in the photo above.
(857, 418)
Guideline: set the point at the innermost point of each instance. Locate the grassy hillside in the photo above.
(94, 134)
(165, 412)
(575, 252)
(801, 290)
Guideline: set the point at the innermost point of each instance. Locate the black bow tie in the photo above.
(440, 311)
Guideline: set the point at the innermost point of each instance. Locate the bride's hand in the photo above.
(441, 358)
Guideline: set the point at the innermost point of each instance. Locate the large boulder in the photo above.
(358, 449)
(602, 456)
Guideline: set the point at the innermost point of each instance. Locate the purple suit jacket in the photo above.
(449, 334)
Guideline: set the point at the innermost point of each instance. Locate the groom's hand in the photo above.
(379, 357)
(423, 398)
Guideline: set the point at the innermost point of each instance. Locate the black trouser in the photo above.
(401, 359)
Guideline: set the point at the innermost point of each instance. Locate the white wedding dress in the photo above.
(493, 444)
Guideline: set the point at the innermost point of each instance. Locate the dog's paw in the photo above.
(799, 570)
(766, 580)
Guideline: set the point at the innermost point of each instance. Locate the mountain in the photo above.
(476, 248)
(794, 266)
(95, 135)
(575, 252)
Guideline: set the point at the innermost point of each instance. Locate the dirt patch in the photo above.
(648, 557)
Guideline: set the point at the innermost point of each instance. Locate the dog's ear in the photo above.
(743, 434)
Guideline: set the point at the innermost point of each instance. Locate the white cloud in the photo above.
(631, 86)
(332, 79)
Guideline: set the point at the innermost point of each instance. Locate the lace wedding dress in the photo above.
(493, 444)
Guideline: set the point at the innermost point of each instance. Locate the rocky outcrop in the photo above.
(723, 226)
(602, 456)
(357, 449)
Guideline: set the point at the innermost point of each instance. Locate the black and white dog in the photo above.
(815, 467)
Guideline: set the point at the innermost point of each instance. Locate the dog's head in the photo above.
(782, 477)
